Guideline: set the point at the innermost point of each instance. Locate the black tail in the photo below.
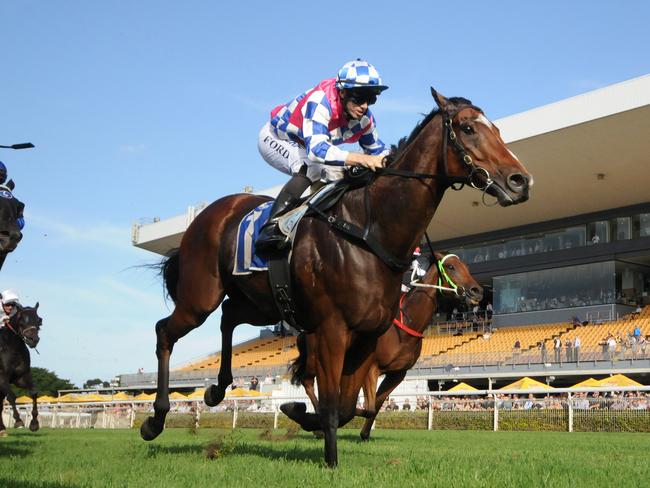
(298, 367)
(169, 272)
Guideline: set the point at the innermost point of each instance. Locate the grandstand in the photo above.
(564, 253)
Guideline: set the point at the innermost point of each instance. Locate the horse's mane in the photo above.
(397, 150)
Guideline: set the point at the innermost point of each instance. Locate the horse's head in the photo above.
(476, 151)
(27, 324)
(454, 273)
(11, 209)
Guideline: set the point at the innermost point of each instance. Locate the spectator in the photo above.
(542, 350)
(576, 349)
(254, 383)
(406, 405)
(568, 347)
(557, 349)
(516, 348)
(611, 347)
(637, 331)
(638, 311)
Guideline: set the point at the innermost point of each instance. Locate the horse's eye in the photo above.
(467, 129)
(450, 267)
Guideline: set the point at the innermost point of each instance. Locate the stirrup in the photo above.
(271, 239)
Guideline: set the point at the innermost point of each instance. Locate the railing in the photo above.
(586, 409)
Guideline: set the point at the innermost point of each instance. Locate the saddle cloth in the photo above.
(246, 261)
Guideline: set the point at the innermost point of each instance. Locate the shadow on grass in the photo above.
(279, 450)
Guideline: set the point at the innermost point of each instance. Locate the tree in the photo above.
(47, 383)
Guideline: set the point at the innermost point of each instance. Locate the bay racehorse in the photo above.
(21, 331)
(398, 349)
(11, 210)
(343, 292)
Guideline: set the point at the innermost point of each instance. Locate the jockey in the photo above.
(301, 137)
(418, 269)
(10, 304)
(10, 185)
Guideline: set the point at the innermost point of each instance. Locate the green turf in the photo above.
(119, 458)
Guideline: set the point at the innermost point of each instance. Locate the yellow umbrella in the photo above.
(197, 394)
(462, 387)
(587, 383)
(68, 397)
(46, 399)
(618, 380)
(177, 396)
(91, 397)
(23, 399)
(122, 396)
(241, 392)
(145, 396)
(526, 383)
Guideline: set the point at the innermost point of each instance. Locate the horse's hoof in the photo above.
(213, 395)
(365, 437)
(19, 424)
(149, 430)
(34, 426)
(3, 433)
(293, 410)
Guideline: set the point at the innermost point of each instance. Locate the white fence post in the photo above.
(234, 415)
(430, 420)
(275, 417)
(570, 401)
(132, 416)
(496, 412)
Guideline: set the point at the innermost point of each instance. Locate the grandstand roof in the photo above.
(565, 145)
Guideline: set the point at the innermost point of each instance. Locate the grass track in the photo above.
(119, 458)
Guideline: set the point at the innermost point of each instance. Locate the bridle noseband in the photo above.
(453, 182)
(21, 332)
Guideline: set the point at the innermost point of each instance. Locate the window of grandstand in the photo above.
(597, 232)
(573, 286)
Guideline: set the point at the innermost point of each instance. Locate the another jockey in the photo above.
(10, 304)
(10, 185)
(301, 138)
(418, 269)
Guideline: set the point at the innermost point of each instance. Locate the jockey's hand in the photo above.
(365, 160)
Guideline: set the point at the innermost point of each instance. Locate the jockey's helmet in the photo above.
(3, 172)
(360, 74)
(10, 297)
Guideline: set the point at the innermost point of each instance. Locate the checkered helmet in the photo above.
(360, 74)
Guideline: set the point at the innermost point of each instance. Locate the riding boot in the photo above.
(270, 237)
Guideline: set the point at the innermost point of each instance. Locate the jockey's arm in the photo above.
(316, 117)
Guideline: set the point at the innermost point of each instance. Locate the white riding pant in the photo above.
(289, 157)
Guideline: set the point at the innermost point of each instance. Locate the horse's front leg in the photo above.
(3, 429)
(369, 392)
(332, 344)
(390, 382)
(11, 398)
(26, 382)
(358, 361)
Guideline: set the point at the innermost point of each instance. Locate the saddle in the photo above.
(317, 205)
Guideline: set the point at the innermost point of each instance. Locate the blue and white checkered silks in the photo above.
(246, 261)
(356, 74)
(306, 120)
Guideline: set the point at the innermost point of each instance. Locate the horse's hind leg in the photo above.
(234, 311)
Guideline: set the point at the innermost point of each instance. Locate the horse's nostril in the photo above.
(517, 181)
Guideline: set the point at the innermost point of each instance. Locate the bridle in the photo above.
(21, 332)
(454, 182)
(453, 287)
(400, 323)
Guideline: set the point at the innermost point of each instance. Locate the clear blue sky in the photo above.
(138, 109)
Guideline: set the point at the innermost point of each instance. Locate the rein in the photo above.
(21, 334)
(400, 323)
(363, 234)
(441, 272)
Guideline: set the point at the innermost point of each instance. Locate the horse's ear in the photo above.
(440, 100)
(36, 306)
(438, 255)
